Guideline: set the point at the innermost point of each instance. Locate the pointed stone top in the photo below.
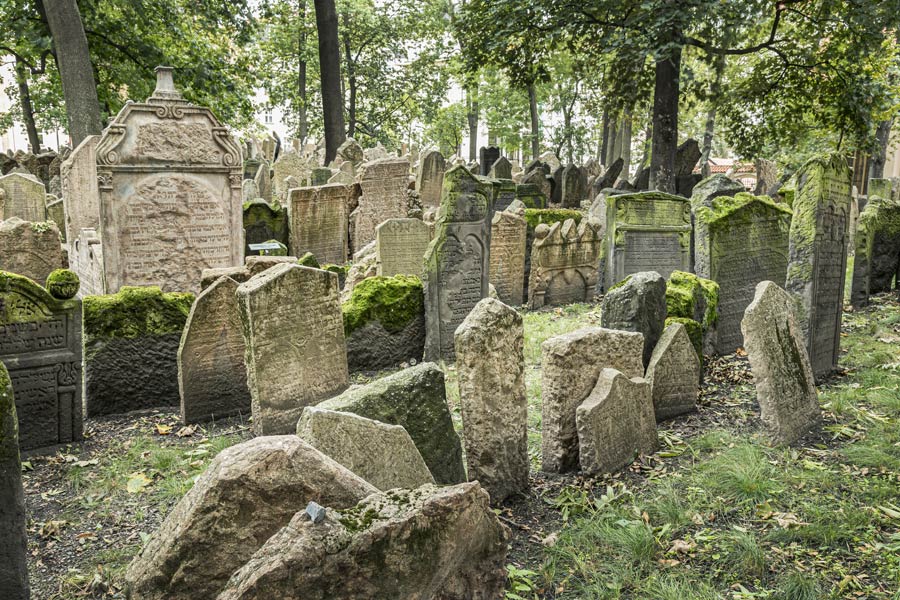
(165, 87)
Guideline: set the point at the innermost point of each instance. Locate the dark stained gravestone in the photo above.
(14, 546)
(486, 159)
(877, 257)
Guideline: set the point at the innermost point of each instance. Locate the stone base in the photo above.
(372, 348)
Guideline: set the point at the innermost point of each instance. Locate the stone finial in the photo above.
(165, 85)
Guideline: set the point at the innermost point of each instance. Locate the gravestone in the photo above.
(782, 374)
(320, 175)
(351, 152)
(457, 262)
(649, 231)
(570, 366)
(40, 344)
(289, 164)
(263, 222)
(56, 212)
(637, 304)
(739, 242)
(564, 259)
(78, 175)
(501, 169)
(507, 265)
(490, 365)
(817, 255)
(318, 217)
(400, 246)
(212, 376)
(609, 178)
(293, 332)
(29, 248)
(531, 195)
(486, 159)
(23, 197)
(13, 519)
(615, 423)
(384, 196)
(263, 181)
(674, 373)
(573, 187)
(503, 193)
(877, 257)
(714, 186)
(539, 179)
(430, 178)
(556, 185)
(169, 178)
(86, 259)
(249, 191)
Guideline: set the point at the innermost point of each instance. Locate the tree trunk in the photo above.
(351, 78)
(73, 60)
(303, 127)
(611, 142)
(535, 125)
(604, 138)
(330, 68)
(34, 139)
(567, 128)
(472, 118)
(626, 142)
(708, 134)
(665, 123)
(883, 136)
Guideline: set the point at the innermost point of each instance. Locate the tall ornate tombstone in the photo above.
(400, 246)
(384, 196)
(649, 231)
(507, 271)
(40, 344)
(169, 178)
(23, 197)
(318, 218)
(564, 261)
(430, 178)
(457, 262)
(486, 159)
(739, 242)
(14, 549)
(818, 256)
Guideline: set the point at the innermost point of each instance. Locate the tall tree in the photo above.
(74, 63)
(330, 75)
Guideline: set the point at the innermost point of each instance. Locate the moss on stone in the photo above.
(619, 284)
(549, 216)
(392, 301)
(684, 290)
(63, 284)
(136, 311)
(339, 270)
(694, 331)
(308, 260)
(725, 206)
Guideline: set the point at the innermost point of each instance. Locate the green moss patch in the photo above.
(694, 331)
(308, 260)
(392, 301)
(136, 311)
(687, 295)
(549, 216)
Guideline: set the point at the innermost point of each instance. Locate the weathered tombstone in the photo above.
(293, 331)
(30, 249)
(86, 259)
(249, 191)
(212, 376)
(507, 266)
(615, 423)
(531, 195)
(556, 185)
(318, 217)
(877, 257)
(539, 179)
(503, 193)
(457, 262)
(263, 181)
(739, 242)
(40, 344)
(714, 186)
(13, 520)
(490, 365)
(289, 164)
(169, 193)
(400, 246)
(263, 222)
(564, 261)
(609, 178)
(573, 187)
(818, 256)
(486, 159)
(384, 196)
(56, 212)
(674, 373)
(570, 366)
(430, 178)
(320, 176)
(637, 304)
(782, 374)
(382, 454)
(501, 169)
(24, 197)
(648, 231)
(351, 151)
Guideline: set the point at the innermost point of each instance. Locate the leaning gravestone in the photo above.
(564, 261)
(507, 268)
(14, 549)
(501, 169)
(674, 373)
(539, 180)
(23, 197)
(400, 246)
(457, 262)
(486, 159)
(491, 370)
(818, 256)
(785, 388)
(637, 304)
(318, 218)
(40, 343)
(430, 178)
(56, 213)
(570, 365)
(739, 242)
(78, 174)
(573, 187)
(30, 249)
(648, 231)
(384, 196)
(212, 376)
(263, 181)
(615, 423)
(293, 332)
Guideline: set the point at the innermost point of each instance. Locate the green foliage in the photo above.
(446, 128)
(391, 301)
(134, 312)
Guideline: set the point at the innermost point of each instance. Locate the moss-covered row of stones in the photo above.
(136, 311)
(549, 216)
(392, 301)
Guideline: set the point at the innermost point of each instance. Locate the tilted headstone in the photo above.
(263, 181)
(212, 376)
(637, 304)
(40, 344)
(13, 519)
(30, 249)
(674, 373)
(56, 212)
(648, 231)
(457, 262)
(23, 197)
(556, 185)
(293, 332)
(320, 175)
(570, 366)
(400, 246)
(609, 178)
(615, 423)
(490, 365)
(564, 259)
(319, 222)
(876, 261)
(78, 174)
(430, 178)
(714, 186)
(486, 159)
(501, 169)
(351, 151)
(249, 191)
(573, 187)
(739, 242)
(818, 256)
(384, 196)
(507, 268)
(785, 388)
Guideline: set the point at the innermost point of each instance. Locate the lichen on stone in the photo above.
(549, 216)
(684, 290)
(392, 301)
(136, 311)
(308, 260)
(63, 284)
(694, 331)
